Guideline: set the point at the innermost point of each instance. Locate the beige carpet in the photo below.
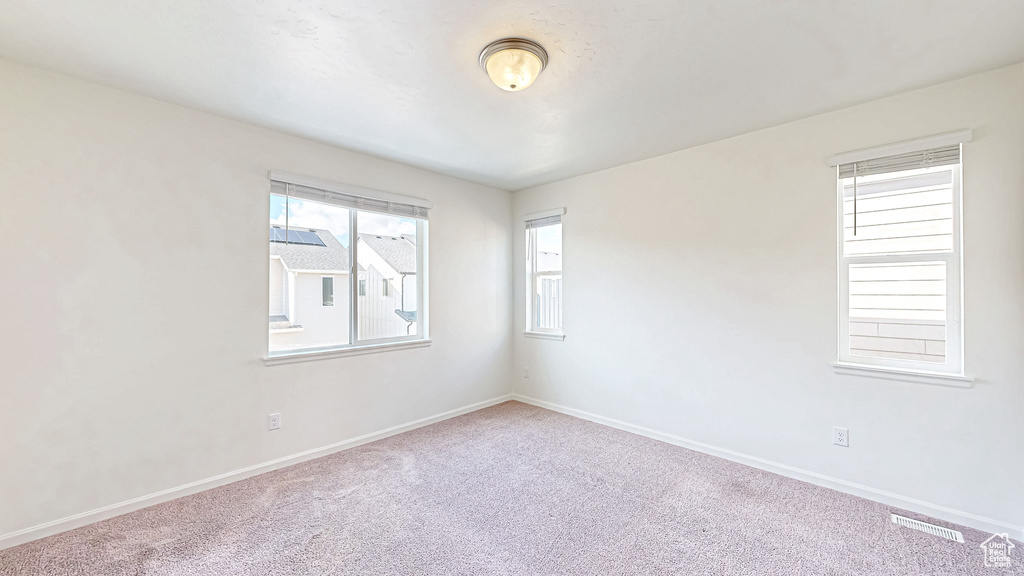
(511, 489)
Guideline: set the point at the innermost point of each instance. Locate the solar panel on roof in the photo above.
(296, 237)
(311, 238)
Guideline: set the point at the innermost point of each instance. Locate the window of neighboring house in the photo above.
(544, 272)
(900, 260)
(328, 242)
(328, 290)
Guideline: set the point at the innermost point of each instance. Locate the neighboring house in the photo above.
(309, 288)
(387, 285)
(309, 284)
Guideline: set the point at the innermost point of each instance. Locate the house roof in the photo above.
(398, 251)
(332, 256)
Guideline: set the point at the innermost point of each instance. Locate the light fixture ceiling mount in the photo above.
(513, 63)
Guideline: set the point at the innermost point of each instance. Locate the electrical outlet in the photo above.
(526, 372)
(840, 436)
(274, 422)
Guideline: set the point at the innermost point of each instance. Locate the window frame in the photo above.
(532, 275)
(357, 346)
(917, 371)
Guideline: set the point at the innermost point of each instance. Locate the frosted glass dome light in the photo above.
(513, 63)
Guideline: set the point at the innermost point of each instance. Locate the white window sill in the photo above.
(293, 357)
(544, 335)
(902, 375)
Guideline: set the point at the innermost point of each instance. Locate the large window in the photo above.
(544, 272)
(899, 260)
(346, 266)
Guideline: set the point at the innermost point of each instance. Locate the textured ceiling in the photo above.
(626, 80)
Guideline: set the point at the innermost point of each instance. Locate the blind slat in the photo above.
(943, 156)
(348, 200)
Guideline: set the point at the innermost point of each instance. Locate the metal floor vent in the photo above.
(928, 528)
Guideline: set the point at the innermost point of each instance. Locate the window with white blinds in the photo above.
(347, 267)
(899, 260)
(544, 272)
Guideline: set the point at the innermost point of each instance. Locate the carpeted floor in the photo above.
(510, 489)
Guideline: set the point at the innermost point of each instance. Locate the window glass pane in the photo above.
(899, 213)
(898, 311)
(547, 303)
(328, 290)
(316, 243)
(387, 257)
(549, 248)
(546, 297)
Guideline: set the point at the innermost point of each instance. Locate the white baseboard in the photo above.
(85, 518)
(888, 498)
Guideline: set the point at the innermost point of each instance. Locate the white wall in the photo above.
(135, 284)
(735, 349)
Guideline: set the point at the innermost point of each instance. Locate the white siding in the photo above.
(920, 340)
(409, 297)
(321, 325)
(278, 288)
(377, 318)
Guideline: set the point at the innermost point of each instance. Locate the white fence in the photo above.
(548, 302)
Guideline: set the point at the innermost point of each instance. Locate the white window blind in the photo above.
(545, 221)
(909, 161)
(348, 196)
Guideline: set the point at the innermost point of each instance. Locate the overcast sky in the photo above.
(309, 214)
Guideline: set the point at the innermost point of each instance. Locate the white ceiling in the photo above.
(626, 81)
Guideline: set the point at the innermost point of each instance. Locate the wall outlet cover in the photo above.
(841, 436)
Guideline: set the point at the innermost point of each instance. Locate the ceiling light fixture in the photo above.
(513, 63)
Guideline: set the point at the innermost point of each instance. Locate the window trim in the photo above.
(532, 330)
(902, 375)
(952, 372)
(356, 346)
(309, 355)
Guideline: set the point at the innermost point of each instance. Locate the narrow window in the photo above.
(328, 290)
(362, 286)
(384, 285)
(899, 260)
(544, 272)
